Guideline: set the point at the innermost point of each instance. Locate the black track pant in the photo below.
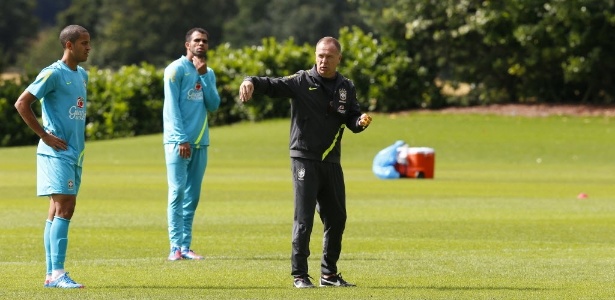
(317, 186)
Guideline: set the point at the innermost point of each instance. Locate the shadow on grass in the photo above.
(278, 258)
(463, 288)
(436, 288)
(193, 287)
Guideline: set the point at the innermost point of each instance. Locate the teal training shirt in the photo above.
(188, 97)
(62, 93)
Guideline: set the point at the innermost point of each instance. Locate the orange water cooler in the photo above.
(420, 163)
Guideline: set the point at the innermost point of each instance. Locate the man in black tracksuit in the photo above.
(323, 103)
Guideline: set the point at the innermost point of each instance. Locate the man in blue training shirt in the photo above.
(61, 90)
(189, 94)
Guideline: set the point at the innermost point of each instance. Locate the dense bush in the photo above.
(269, 59)
(122, 103)
(506, 58)
(385, 77)
(126, 102)
(13, 130)
(510, 51)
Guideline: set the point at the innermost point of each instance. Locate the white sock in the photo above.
(55, 274)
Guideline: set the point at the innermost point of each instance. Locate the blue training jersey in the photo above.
(188, 97)
(62, 93)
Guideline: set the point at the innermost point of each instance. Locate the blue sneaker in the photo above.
(175, 254)
(64, 282)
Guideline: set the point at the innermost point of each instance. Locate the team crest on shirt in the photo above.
(300, 174)
(171, 76)
(80, 102)
(342, 95)
(71, 185)
(198, 86)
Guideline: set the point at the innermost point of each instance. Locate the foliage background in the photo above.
(401, 54)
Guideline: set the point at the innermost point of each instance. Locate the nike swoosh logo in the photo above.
(335, 283)
(312, 88)
(69, 82)
(186, 74)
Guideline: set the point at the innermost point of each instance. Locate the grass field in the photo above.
(500, 220)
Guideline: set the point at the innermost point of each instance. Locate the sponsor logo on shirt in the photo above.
(341, 109)
(77, 111)
(196, 93)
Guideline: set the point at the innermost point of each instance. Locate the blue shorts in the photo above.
(56, 176)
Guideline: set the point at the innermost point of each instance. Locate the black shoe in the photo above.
(335, 280)
(302, 282)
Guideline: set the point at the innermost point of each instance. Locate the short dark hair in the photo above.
(71, 33)
(197, 29)
(328, 39)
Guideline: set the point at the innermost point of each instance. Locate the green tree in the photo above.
(518, 50)
(126, 32)
(135, 31)
(385, 77)
(248, 25)
(305, 22)
(82, 12)
(48, 50)
(17, 27)
(568, 47)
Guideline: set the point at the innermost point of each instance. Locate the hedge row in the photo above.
(128, 101)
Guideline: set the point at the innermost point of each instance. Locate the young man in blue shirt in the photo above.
(189, 95)
(61, 90)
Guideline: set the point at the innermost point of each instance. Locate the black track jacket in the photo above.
(318, 115)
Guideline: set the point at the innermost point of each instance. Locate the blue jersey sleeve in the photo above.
(210, 91)
(44, 83)
(172, 115)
